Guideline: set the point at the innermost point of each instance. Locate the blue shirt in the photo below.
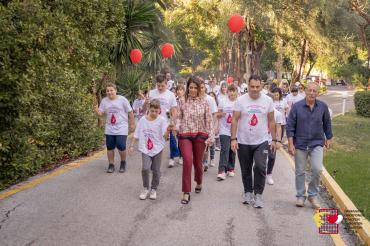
(307, 127)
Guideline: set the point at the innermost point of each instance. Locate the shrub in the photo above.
(362, 103)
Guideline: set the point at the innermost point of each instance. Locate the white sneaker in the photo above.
(144, 194)
(269, 179)
(221, 176)
(181, 161)
(176, 160)
(248, 198)
(153, 194)
(171, 163)
(231, 173)
(212, 163)
(217, 148)
(258, 201)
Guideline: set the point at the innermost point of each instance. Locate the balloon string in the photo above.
(232, 45)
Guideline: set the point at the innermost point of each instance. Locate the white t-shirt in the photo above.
(150, 135)
(215, 89)
(291, 100)
(278, 120)
(281, 106)
(170, 84)
(167, 100)
(253, 122)
(116, 112)
(243, 86)
(221, 97)
(137, 106)
(227, 106)
(212, 104)
(264, 91)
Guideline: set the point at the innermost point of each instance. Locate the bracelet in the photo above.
(234, 139)
(278, 141)
(274, 140)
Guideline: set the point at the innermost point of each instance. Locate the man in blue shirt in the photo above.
(308, 131)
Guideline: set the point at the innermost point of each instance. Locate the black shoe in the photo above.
(205, 168)
(122, 168)
(110, 168)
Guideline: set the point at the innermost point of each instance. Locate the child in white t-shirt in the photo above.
(138, 105)
(225, 112)
(280, 105)
(152, 131)
(119, 121)
(272, 154)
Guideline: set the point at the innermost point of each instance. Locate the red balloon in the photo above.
(136, 56)
(230, 80)
(236, 23)
(167, 50)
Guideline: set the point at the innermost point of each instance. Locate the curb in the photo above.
(343, 203)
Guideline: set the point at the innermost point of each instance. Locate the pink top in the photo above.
(195, 119)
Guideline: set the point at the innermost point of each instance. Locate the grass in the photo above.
(349, 159)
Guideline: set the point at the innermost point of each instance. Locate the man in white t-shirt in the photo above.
(214, 87)
(168, 105)
(170, 82)
(253, 116)
(293, 97)
(119, 121)
(213, 106)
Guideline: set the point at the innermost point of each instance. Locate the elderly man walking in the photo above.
(308, 131)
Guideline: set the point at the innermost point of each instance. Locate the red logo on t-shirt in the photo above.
(113, 119)
(229, 119)
(149, 144)
(254, 120)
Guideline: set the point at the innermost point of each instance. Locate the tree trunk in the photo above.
(298, 68)
(310, 68)
(279, 61)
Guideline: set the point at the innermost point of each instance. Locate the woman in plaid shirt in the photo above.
(195, 132)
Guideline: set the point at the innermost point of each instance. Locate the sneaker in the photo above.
(258, 203)
(221, 176)
(205, 168)
(269, 179)
(171, 163)
(248, 198)
(181, 161)
(144, 194)
(153, 194)
(122, 167)
(217, 148)
(300, 202)
(212, 163)
(315, 203)
(231, 173)
(176, 160)
(110, 168)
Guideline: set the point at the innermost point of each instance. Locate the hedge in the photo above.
(362, 103)
(50, 51)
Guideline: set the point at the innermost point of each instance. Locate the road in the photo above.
(334, 98)
(86, 206)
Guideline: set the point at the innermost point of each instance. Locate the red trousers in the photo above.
(192, 151)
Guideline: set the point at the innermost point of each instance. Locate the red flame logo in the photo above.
(229, 119)
(254, 120)
(149, 144)
(113, 119)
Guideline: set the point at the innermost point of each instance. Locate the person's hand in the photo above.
(278, 145)
(234, 145)
(291, 149)
(130, 150)
(208, 142)
(131, 128)
(273, 147)
(328, 143)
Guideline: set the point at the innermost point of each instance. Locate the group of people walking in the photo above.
(247, 120)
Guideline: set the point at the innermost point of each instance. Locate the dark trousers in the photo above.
(271, 161)
(227, 156)
(248, 154)
(174, 151)
(192, 151)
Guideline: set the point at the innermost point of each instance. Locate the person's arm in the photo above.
(99, 110)
(291, 129)
(327, 128)
(271, 121)
(209, 124)
(131, 121)
(278, 135)
(234, 128)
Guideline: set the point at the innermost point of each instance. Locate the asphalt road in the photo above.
(334, 98)
(86, 206)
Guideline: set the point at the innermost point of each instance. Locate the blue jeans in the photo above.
(227, 156)
(315, 157)
(174, 150)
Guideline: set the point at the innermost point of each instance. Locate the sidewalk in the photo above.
(85, 206)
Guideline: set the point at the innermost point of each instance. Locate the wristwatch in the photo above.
(234, 139)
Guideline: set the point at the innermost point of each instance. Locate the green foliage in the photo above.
(130, 82)
(362, 103)
(49, 54)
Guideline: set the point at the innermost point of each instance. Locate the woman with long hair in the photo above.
(195, 133)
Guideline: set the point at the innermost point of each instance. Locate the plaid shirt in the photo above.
(195, 119)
